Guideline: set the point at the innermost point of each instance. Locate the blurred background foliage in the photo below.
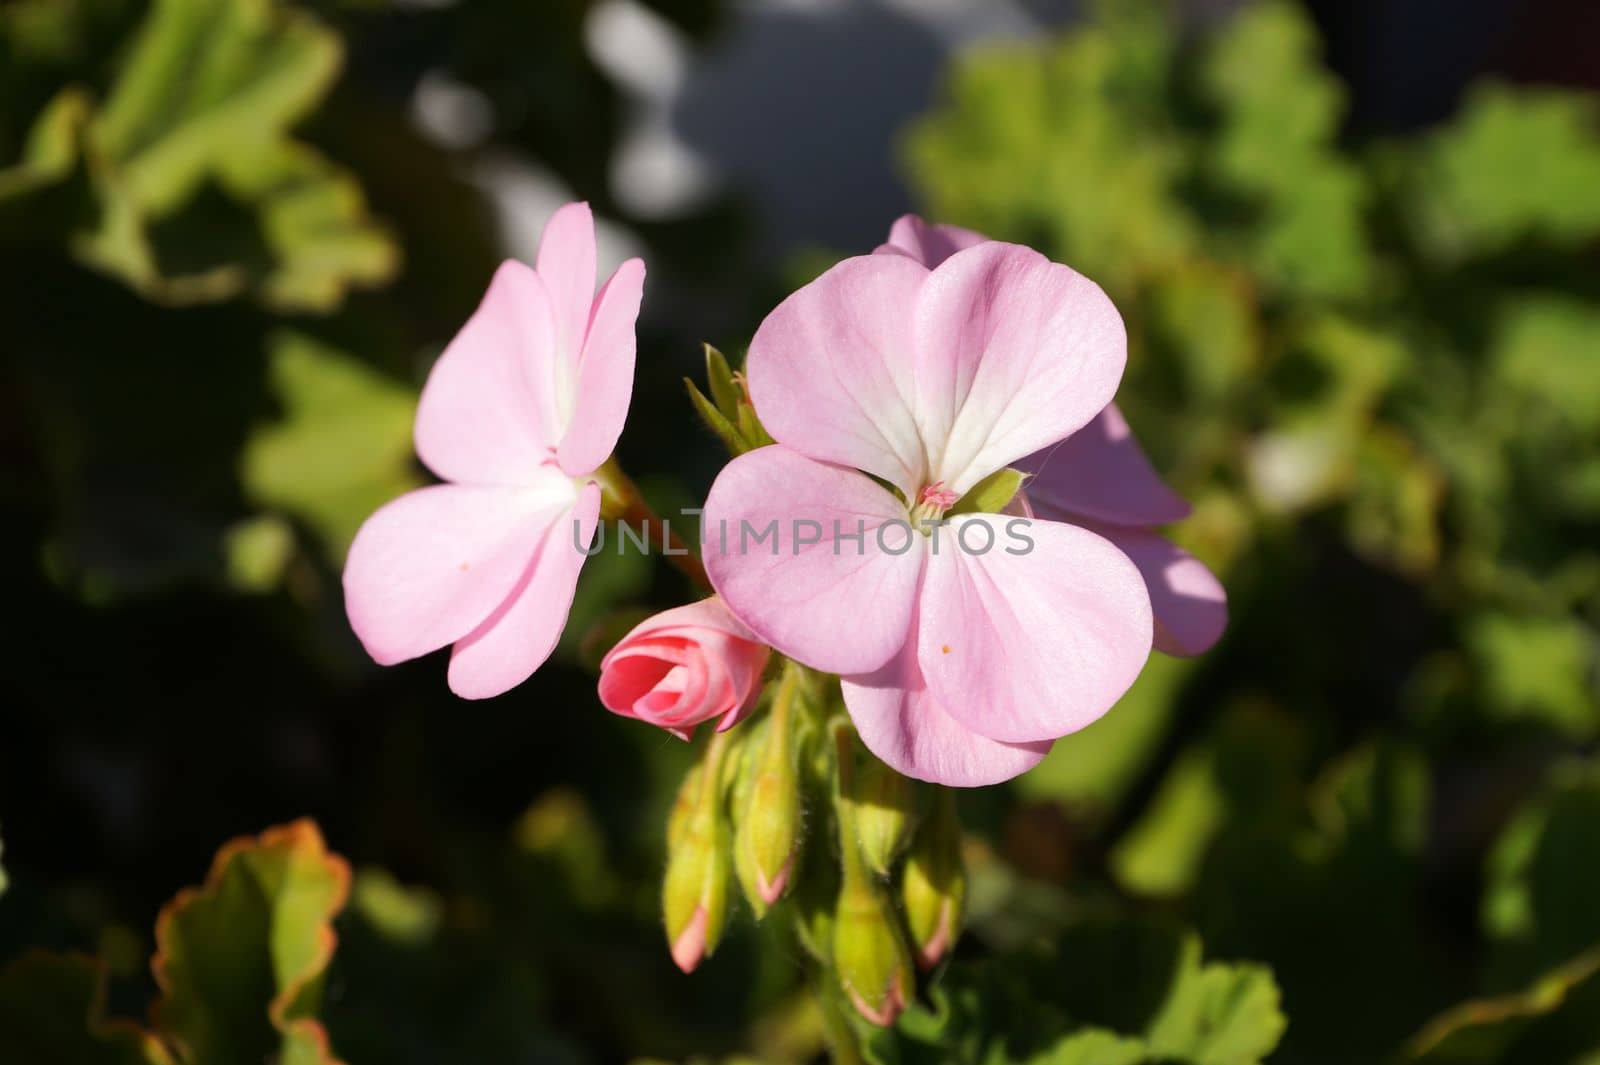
(1365, 828)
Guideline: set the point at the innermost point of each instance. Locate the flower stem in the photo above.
(621, 500)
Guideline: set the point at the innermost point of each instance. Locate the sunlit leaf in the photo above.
(1516, 163)
(240, 960)
(202, 195)
(343, 447)
(1537, 668)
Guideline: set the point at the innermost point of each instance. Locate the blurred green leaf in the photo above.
(1280, 112)
(258, 551)
(1539, 668)
(1545, 351)
(52, 1009)
(1062, 1005)
(240, 960)
(202, 196)
(51, 149)
(343, 447)
(206, 79)
(1067, 147)
(1543, 878)
(1517, 163)
(401, 914)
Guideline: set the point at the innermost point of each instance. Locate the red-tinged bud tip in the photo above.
(772, 890)
(929, 953)
(689, 949)
(884, 1013)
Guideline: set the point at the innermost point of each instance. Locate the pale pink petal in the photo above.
(1101, 472)
(1014, 353)
(925, 242)
(1025, 643)
(566, 265)
(515, 640)
(605, 372)
(487, 414)
(1190, 604)
(428, 567)
(835, 604)
(832, 374)
(903, 724)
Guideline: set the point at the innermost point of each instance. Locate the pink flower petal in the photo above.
(429, 567)
(902, 723)
(515, 640)
(832, 373)
(567, 268)
(1014, 353)
(926, 243)
(1101, 472)
(487, 414)
(1190, 604)
(1036, 644)
(835, 605)
(605, 372)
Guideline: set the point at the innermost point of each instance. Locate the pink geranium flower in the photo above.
(524, 404)
(685, 666)
(1099, 478)
(960, 666)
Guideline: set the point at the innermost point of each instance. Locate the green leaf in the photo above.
(992, 494)
(1280, 112)
(1204, 315)
(1068, 147)
(1517, 163)
(1094, 1046)
(1543, 878)
(1545, 350)
(313, 224)
(52, 1009)
(1537, 668)
(51, 150)
(206, 79)
(202, 195)
(343, 447)
(1056, 1006)
(1218, 1014)
(241, 959)
(258, 550)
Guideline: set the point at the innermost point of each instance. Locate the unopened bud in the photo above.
(694, 892)
(869, 954)
(884, 812)
(767, 840)
(934, 883)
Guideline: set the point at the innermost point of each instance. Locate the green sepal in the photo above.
(992, 494)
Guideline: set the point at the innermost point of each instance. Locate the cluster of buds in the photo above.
(874, 890)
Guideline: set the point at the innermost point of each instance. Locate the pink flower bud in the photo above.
(685, 666)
